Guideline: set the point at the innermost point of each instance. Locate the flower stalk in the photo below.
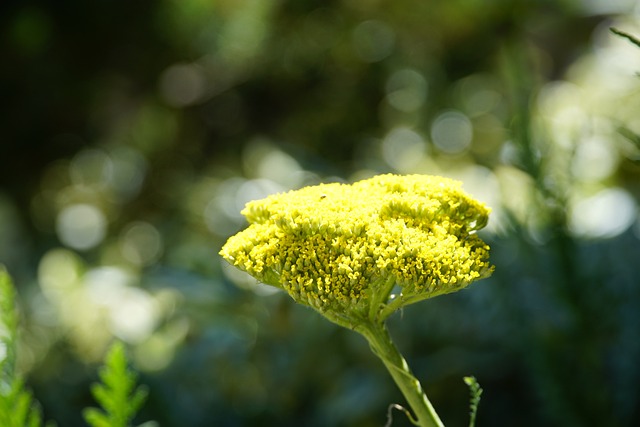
(382, 346)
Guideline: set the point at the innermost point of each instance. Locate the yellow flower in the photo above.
(362, 251)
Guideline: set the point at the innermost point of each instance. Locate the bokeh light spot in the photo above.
(135, 316)
(182, 85)
(264, 160)
(403, 149)
(594, 159)
(606, 214)
(127, 173)
(59, 272)
(225, 199)
(90, 168)
(141, 243)
(103, 284)
(217, 220)
(81, 226)
(373, 40)
(279, 167)
(452, 132)
(244, 31)
(608, 7)
(131, 312)
(406, 90)
(154, 354)
(255, 189)
(478, 94)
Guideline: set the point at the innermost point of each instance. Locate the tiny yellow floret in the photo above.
(365, 249)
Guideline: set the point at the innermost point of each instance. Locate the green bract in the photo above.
(361, 251)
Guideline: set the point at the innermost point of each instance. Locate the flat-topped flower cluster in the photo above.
(366, 249)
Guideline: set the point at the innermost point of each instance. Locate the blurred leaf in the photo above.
(8, 326)
(117, 394)
(17, 408)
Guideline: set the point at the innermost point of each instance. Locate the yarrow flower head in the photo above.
(361, 251)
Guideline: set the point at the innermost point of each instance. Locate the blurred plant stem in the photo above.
(381, 344)
(565, 358)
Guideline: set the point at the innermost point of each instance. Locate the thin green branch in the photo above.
(402, 409)
(383, 347)
(627, 36)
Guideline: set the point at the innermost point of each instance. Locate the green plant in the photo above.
(17, 407)
(476, 392)
(117, 394)
(358, 253)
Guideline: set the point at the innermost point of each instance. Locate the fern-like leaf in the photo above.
(8, 327)
(117, 393)
(17, 408)
(476, 392)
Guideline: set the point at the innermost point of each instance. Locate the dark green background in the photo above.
(165, 116)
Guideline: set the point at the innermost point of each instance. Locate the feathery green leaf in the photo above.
(117, 393)
(17, 408)
(476, 392)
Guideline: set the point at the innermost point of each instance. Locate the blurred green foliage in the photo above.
(134, 132)
(17, 408)
(118, 394)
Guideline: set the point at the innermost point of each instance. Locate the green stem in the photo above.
(382, 345)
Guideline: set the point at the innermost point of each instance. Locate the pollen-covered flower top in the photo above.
(366, 249)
